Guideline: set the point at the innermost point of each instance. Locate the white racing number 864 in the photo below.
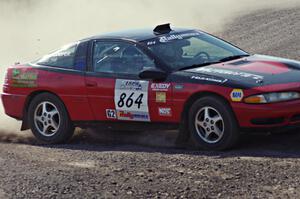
(131, 100)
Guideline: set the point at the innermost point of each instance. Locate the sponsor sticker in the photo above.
(111, 114)
(237, 95)
(165, 112)
(24, 79)
(130, 85)
(210, 79)
(160, 86)
(124, 115)
(172, 37)
(230, 72)
(133, 116)
(16, 72)
(161, 97)
(150, 43)
(178, 86)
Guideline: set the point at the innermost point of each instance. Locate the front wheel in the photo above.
(49, 120)
(212, 124)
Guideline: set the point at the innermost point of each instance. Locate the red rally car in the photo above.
(162, 78)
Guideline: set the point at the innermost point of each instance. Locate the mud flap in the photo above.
(183, 136)
(24, 125)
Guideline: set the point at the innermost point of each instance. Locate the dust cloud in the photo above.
(31, 28)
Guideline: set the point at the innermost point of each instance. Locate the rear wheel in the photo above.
(212, 124)
(49, 120)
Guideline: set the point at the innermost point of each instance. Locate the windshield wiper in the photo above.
(198, 65)
(233, 57)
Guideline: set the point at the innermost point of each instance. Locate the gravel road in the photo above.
(147, 165)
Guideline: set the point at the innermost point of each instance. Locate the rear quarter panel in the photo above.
(67, 84)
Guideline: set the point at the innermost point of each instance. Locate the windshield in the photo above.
(192, 48)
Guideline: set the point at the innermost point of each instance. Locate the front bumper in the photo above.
(13, 105)
(267, 115)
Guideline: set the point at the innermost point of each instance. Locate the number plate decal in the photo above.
(111, 114)
(131, 100)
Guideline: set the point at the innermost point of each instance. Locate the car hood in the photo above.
(252, 71)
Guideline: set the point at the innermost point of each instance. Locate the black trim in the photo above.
(57, 69)
(81, 56)
(295, 118)
(111, 75)
(267, 121)
(89, 67)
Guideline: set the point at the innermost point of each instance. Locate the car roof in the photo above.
(135, 34)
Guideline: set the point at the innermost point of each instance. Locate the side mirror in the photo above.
(153, 74)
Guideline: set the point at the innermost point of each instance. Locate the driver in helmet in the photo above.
(173, 51)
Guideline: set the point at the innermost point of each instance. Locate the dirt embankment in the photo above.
(267, 32)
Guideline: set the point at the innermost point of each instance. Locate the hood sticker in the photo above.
(210, 79)
(230, 72)
(237, 95)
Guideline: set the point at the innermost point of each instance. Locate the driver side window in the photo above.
(119, 58)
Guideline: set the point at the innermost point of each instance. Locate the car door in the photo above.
(115, 91)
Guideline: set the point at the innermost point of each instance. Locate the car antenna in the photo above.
(162, 29)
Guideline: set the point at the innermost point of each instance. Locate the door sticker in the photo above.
(111, 114)
(165, 112)
(132, 115)
(237, 95)
(160, 97)
(160, 86)
(131, 100)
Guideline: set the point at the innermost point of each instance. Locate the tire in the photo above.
(49, 120)
(212, 124)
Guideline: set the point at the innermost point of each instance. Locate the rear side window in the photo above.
(63, 57)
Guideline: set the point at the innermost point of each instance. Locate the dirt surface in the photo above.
(147, 165)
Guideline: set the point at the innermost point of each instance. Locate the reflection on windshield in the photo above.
(192, 48)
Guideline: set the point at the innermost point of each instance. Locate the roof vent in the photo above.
(162, 29)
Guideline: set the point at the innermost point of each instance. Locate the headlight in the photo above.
(272, 97)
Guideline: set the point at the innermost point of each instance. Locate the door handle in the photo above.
(91, 83)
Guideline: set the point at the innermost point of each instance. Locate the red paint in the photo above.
(265, 67)
(87, 98)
